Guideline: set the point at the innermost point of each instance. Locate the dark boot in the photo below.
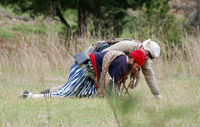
(25, 94)
(45, 91)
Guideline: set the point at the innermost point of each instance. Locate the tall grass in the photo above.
(34, 54)
(179, 60)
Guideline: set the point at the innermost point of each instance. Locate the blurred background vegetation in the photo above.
(115, 18)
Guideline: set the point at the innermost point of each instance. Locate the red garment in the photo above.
(138, 56)
(93, 61)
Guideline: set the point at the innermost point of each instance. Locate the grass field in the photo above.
(33, 57)
(34, 70)
(179, 106)
(34, 66)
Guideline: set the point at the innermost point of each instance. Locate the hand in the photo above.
(158, 96)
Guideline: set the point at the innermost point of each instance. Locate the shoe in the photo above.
(26, 94)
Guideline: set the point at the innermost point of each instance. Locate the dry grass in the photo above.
(178, 60)
(35, 55)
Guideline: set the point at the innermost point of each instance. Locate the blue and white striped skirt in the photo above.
(77, 83)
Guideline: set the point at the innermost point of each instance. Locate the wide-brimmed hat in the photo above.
(152, 47)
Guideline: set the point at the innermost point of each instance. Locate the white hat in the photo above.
(152, 47)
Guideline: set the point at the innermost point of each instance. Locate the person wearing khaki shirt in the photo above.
(147, 46)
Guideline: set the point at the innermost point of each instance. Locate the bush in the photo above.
(5, 34)
(155, 20)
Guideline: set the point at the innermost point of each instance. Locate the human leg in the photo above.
(77, 83)
(50, 90)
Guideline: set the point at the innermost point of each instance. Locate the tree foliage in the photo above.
(103, 13)
(55, 8)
